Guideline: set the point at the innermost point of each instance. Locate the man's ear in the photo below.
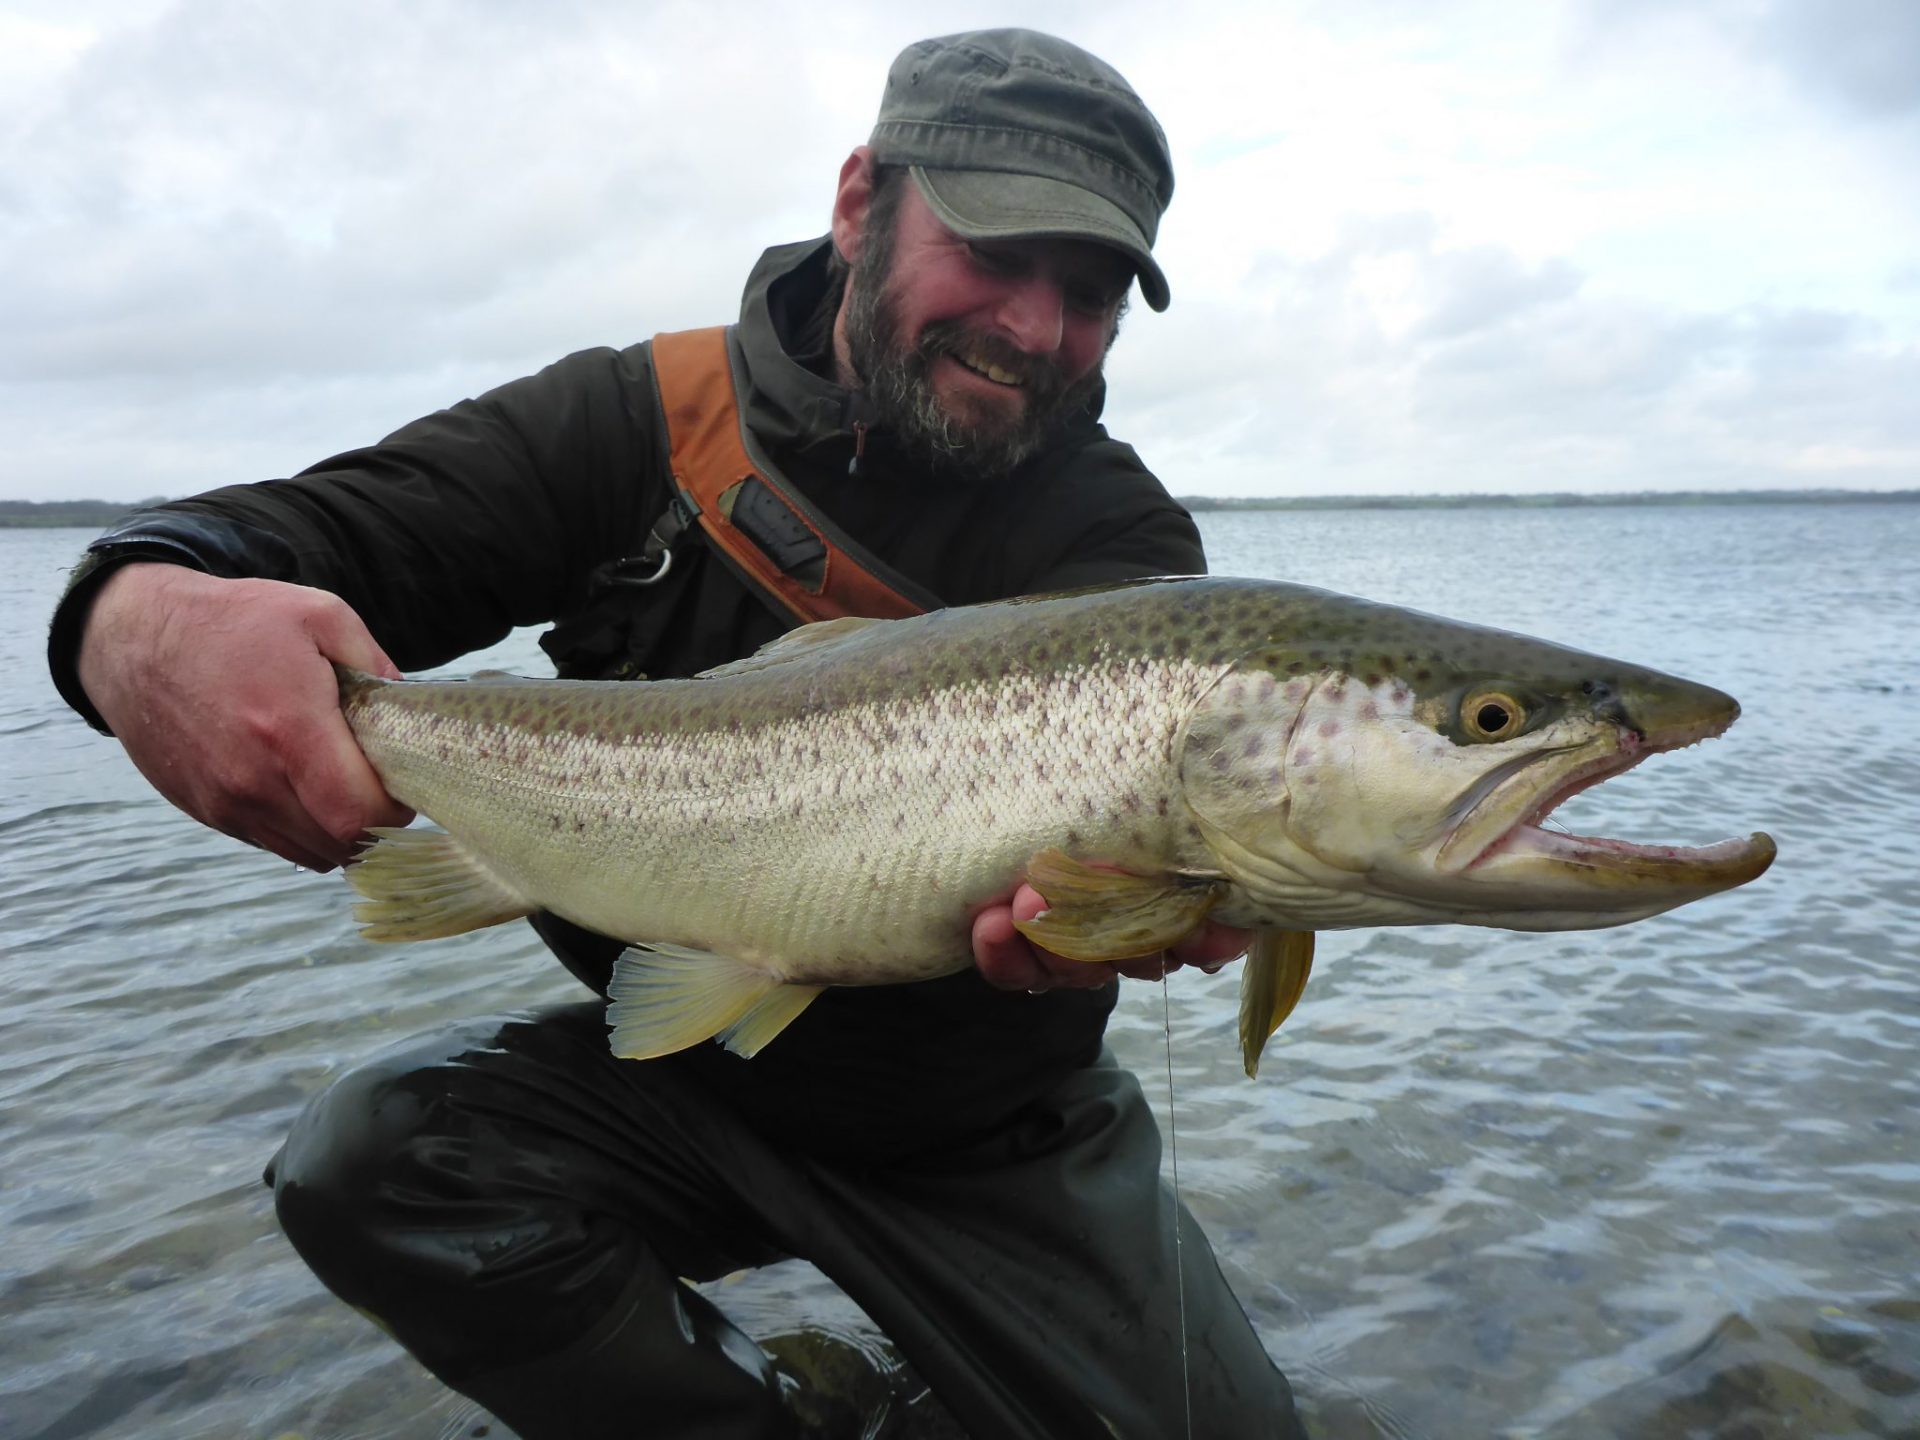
(851, 203)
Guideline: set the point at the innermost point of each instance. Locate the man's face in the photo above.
(972, 352)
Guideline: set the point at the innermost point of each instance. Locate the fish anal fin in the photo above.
(1271, 979)
(666, 998)
(749, 1035)
(1100, 914)
(423, 884)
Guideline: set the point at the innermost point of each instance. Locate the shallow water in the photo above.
(1657, 1182)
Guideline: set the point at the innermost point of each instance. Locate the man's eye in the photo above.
(990, 262)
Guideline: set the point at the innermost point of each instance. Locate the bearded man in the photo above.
(521, 1210)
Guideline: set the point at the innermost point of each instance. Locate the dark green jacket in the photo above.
(501, 511)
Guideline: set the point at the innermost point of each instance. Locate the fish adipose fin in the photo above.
(666, 998)
(1271, 979)
(423, 884)
(1095, 914)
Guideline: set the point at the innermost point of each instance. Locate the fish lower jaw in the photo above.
(1599, 863)
(1528, 852)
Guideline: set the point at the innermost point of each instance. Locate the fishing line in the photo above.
(1173, 1149)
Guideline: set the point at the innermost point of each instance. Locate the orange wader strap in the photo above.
(773, 538)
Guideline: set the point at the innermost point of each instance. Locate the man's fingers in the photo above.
(340, 635)
(1007, 959)
(337, 793)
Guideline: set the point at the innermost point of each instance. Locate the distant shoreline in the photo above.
(1561, 500)
(95, 514)
(65, 514)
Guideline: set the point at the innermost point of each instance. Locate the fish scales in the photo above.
(836, 809)
(851, 822)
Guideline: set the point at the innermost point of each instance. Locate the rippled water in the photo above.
(1654, 1182)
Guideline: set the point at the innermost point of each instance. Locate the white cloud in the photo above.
(1414, 246)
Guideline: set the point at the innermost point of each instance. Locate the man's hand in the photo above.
(223, 694)
(1012, 962)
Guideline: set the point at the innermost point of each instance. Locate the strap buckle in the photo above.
(658, 551)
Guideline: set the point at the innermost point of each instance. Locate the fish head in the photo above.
(1395, 768)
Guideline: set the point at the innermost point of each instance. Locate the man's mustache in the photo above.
(1038, 376)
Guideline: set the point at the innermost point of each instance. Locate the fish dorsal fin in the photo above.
(1271, 979)
(423, 884)
(1095, 914)
(666, 998)
(807, 641)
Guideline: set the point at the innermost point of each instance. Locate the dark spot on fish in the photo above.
(1251, 750)
(1303, 756)
(1160, 806)
(1073, 837)
(1369, 711)
(1329, 728)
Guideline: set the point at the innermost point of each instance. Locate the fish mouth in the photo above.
(1501, 836)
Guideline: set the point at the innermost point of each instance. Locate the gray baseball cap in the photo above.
(1011, 134)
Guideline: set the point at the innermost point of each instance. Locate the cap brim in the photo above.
(1001, 205)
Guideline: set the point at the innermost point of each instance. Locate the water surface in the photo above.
(1661, 1181)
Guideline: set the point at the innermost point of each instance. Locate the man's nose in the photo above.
(1034, 314)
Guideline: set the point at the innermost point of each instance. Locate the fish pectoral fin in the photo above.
(666, 998)
(1271, 979)
(423, 884)
(1096, 914)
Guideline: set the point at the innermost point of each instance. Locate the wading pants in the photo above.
(516, 1207)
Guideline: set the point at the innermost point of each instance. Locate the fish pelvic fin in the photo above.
(1271, 979)
(666, 998)
(1096, 914)
(423, 884)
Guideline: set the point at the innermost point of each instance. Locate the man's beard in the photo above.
(898, 380)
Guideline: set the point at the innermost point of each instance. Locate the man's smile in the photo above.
(980, 365)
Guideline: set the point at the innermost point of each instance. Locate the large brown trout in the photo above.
(834, 810)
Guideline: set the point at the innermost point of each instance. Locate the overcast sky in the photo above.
(1416, 246)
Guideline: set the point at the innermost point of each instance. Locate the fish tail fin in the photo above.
(423, 884)
(1271, 979)
(666, 998)
(354, 683)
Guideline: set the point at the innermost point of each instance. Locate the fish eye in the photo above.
(1492, 715)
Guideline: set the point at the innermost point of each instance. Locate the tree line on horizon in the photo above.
(96, 514)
